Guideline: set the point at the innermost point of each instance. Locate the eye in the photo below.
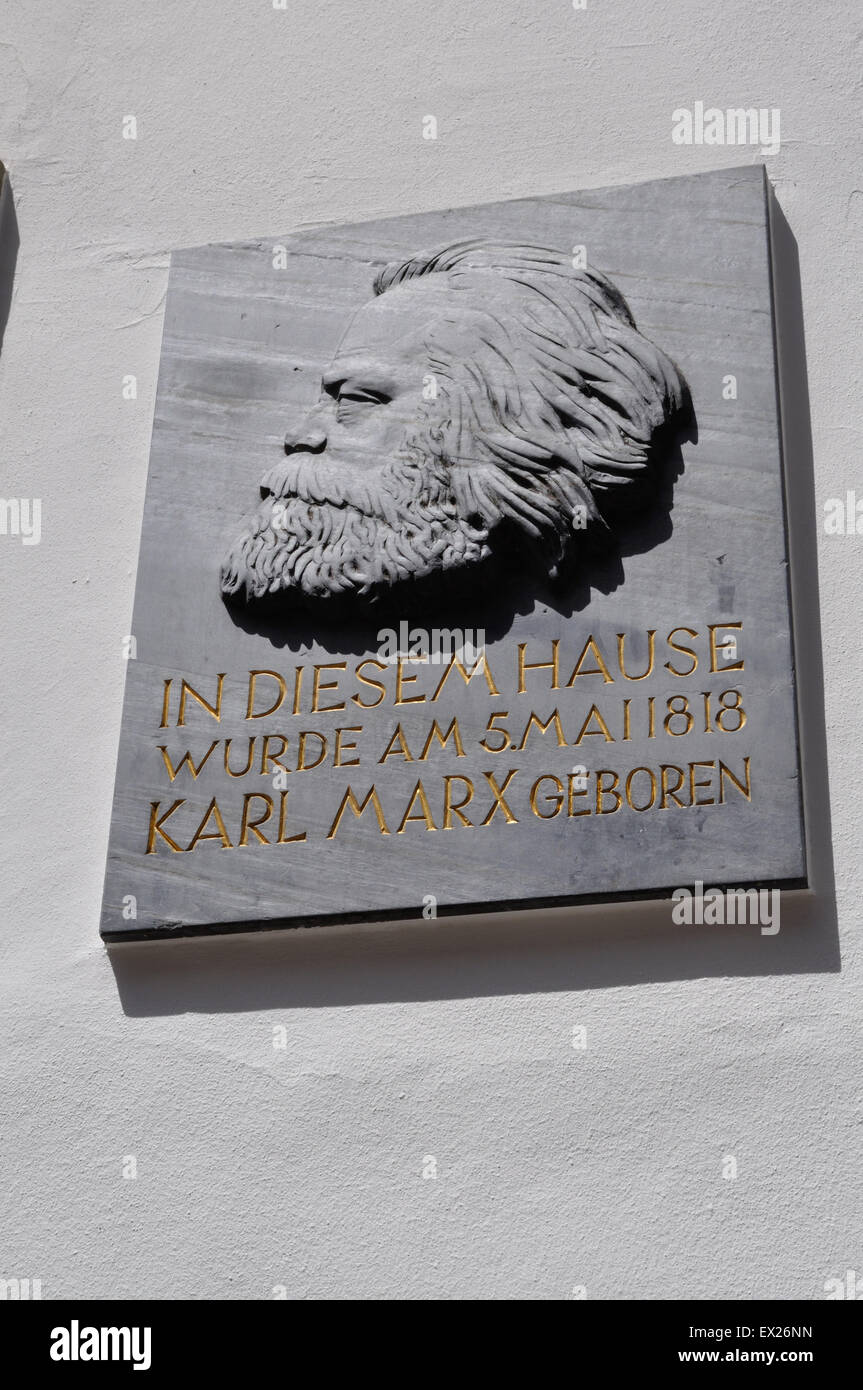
(362, 395)
(353, 400)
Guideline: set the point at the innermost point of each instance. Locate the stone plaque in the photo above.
(463, 575)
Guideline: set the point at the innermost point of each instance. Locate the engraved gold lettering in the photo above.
(693, 783)
(318, 685)
(220, 833)
(499, 802)
(250, 705)
(629, 780)
(186, 760)
(367, 680)
(553, 665)
(534, 720)
(481, 664)
(651, 647)
(555, 799)
(248, 824)
(228, 741)
(743, 787)
(283, 838)
(713, 628)
(585, 732)
(397, 747)
(156, 823)
(684, 651)
(403, 680)
(611, 790)
(302, 765)
(424, 815)
(215, 710)
(454, 808)
(600, 669)
(267, 757)
(349, 802)
(669, 793)
(165, 698)
(442, 738)
(338, 760)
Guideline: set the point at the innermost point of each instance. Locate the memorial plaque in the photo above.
(463, 576)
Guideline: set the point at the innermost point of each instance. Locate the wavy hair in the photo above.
(562, 400)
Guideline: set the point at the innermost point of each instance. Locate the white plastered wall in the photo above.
(302, 1167)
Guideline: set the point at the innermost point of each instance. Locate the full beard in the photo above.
(324, 532)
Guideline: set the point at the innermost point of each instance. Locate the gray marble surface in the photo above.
(245, 342)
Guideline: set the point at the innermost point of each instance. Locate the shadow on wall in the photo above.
(561, 948)
(9, 243)
(460, 958)
(514, 580)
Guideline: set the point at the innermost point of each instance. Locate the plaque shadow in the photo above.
(9, 243)
(511, 584)
(562, 948)
(415, 961)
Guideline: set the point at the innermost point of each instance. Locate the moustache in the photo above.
(326, 530)
(394, 492)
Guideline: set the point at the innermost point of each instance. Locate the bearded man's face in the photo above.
(364, 497)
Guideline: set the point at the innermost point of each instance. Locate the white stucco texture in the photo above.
(301, 1168)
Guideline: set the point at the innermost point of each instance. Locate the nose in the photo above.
(309, 438)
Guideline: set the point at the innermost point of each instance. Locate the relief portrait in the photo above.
(492, 408)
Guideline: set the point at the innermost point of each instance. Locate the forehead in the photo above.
(396, 327)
